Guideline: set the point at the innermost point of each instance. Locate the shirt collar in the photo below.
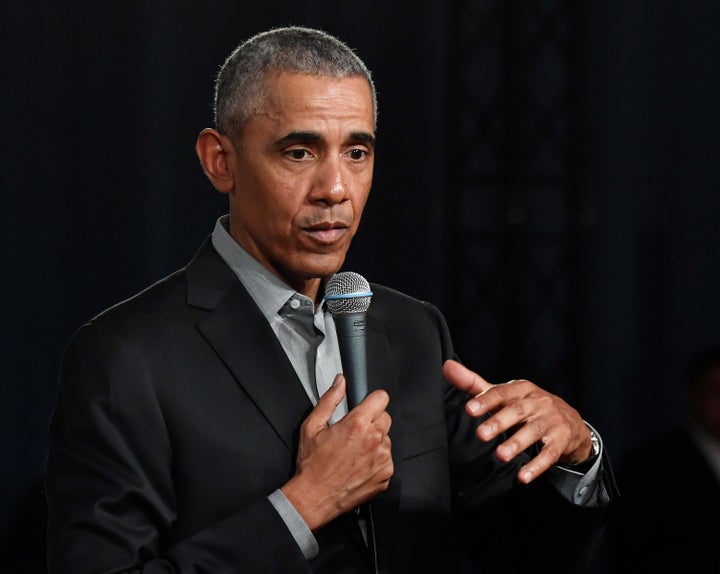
(267, 290)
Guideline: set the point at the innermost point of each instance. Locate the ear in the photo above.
(213, 150)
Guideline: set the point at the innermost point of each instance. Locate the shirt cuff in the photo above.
(582, 487)
(295, 523)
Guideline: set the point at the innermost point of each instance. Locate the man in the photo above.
(202, 426)
(683, 536)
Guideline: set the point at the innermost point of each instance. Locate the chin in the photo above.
(323, 265)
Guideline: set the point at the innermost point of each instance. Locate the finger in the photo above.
(538, 465)
(507, 411)
(325, 407)
(505, 400)
(532, 433)
(463, 378)
(379, 428)
(525, 434)
(374, 404)
(383, 422)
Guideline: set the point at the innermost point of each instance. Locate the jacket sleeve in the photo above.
(493, 510)
(109, 479)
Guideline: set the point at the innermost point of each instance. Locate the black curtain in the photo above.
(102, 193)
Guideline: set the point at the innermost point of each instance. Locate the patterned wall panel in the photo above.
(517, 201)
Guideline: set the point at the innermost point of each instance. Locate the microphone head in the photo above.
(347, 292)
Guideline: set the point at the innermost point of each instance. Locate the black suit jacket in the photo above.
(178, 412)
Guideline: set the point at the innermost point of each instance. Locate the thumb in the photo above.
(463, 378)
(326, 405)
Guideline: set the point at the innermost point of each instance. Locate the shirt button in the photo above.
(294, 303)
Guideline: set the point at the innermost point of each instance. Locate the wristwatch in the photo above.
(595, 440)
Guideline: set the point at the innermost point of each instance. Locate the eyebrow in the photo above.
(364, 137)
(311, 137)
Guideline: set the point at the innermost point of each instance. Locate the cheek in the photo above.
(710, 412)
(278, 202)
(358, 209)
(286, 207)
(362, 193)
(713, 409)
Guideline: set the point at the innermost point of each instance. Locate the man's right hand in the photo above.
(341, 466)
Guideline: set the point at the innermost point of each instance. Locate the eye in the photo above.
(298, 153)
(357, 154)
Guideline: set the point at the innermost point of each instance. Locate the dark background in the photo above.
(102, 193)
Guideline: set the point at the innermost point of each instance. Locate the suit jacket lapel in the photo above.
(239, 333)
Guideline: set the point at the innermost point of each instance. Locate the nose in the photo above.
(330, 186)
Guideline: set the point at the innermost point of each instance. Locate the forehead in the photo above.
(297, 96)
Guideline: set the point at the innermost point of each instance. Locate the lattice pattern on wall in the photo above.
(516, 195)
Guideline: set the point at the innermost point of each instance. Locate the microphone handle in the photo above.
(350, 329)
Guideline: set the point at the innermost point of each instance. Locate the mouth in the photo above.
(327, 233)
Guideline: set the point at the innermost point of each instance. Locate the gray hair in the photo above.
(296, 49)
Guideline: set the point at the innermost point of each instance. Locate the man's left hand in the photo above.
(533, 414)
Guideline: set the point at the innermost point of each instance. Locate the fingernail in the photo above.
(473, 407)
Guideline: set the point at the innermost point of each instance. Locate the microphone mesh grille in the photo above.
(347, 292)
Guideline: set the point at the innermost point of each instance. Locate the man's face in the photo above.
(706, 402)
(302, 174)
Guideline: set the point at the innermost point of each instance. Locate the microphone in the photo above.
(347, 296)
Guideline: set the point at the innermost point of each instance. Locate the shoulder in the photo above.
(139, 322)
(389, 304)
(406, 318)
(146, 309)
(152, 321)
(161, 308)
